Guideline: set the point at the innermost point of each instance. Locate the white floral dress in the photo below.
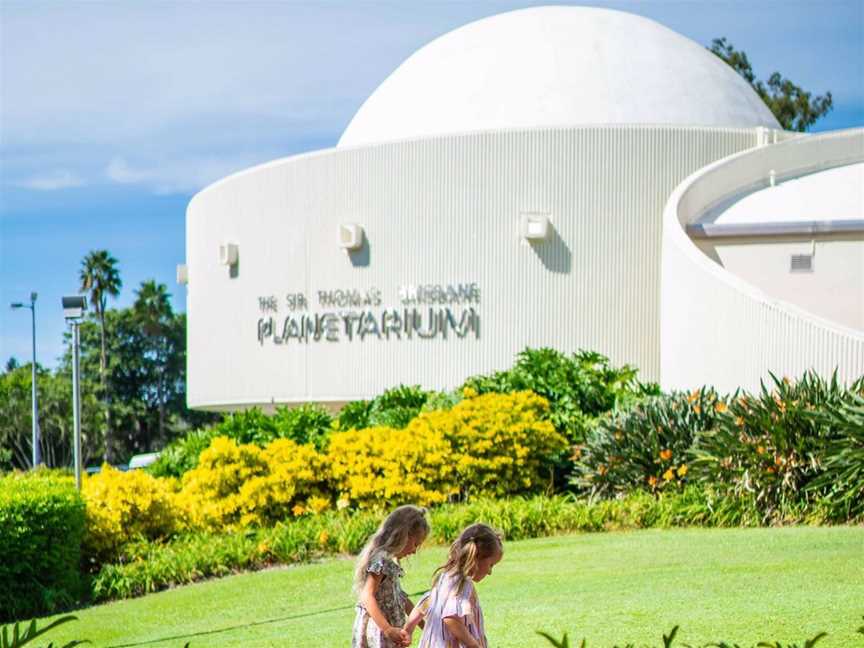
(391, 599)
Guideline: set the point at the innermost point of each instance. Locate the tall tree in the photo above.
(791, 104)
(100, 278)
(152, 309)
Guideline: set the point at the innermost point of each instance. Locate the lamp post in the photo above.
(37, 451)
(73, 311)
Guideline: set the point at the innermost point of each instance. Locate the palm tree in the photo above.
(152, 306)
(101, 279)
(153, 310)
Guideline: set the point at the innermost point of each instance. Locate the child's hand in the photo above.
(398, 636)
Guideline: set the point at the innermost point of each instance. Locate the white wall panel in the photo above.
(439, 211)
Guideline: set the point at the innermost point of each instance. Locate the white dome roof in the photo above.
(556, 66)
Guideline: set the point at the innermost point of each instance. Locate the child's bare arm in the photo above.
(397, 635)
(414, 618)
(456, 627)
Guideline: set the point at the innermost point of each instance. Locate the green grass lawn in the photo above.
(738, 585)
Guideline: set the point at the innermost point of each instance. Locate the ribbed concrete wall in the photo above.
(716, 328)
(438, 211)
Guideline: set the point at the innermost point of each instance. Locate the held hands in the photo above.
(398, 636)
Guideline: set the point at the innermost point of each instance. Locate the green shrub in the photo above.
(841, 484)
(42, 519)
(776, 444)
(395, 408)
(579, 387)
(647, 447)
(308, 423)
(181, 455)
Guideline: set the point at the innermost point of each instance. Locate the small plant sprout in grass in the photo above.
(18, 638)
(669, 642)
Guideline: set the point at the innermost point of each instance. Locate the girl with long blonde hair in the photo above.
(382, 605)
(451, 609)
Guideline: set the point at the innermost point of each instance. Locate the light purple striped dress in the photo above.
(444, 601)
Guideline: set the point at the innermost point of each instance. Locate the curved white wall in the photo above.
(437, 211)
(720, 330)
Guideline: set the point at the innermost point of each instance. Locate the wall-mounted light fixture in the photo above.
(350, 236)
(534, 226)
(182, 274)
(229, 253)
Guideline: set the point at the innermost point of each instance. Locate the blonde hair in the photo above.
(475, 543)
(404, 523)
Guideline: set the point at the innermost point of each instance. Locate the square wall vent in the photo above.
(801, 263)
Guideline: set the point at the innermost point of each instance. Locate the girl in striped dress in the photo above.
(451, 610)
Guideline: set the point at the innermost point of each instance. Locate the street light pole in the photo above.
(76, 404)
(73, 311)
(37, 450)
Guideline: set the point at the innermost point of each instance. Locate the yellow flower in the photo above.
(697, 409)
(323, 538)
(469, 392)
(263, 548)
(669, 475)
(602, 470)
(652, 481)
(720, 407)
(739, 421)
(682, 470)
(666, 454)
(298, 509)
(760, 449)
(342, 503)
(693, 396)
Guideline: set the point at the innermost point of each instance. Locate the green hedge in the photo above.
(42, 521)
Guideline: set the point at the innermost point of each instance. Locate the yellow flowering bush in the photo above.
(494, 444)
(240, 485)
(501, 444)
(380, 466)
(126, 505)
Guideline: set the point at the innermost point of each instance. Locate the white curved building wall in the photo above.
(442, 211)
(720, 329)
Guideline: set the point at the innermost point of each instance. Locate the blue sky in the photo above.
(113, 114)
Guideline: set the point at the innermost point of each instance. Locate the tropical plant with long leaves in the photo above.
(14, 637)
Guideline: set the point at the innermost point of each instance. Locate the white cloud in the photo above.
(119, 171)
(53, 181)
(179, 175)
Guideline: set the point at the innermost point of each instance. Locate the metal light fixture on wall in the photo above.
(229, 254)
(350, 236)
(534, 226)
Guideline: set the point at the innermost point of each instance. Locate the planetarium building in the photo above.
(559, 176)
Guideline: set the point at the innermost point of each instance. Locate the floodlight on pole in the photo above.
(73, 311)
(37, 451)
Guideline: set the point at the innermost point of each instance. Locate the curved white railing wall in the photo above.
(719, 330)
